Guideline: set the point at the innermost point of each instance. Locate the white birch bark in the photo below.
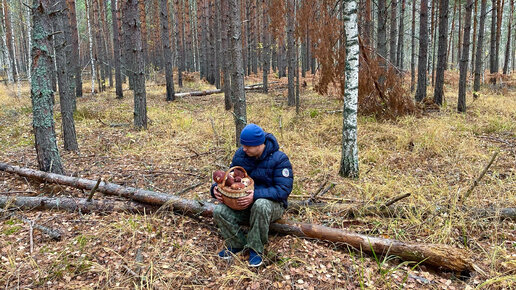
(90, 40)
(349, 160)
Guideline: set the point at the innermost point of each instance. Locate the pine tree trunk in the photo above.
(461, 106)
(368, 25)
(41, 90)
(5, 50)
(480, 49)
(381, 44)
(75, 48)
(90, 39)
(216, 38)
(9, 38)
(134, 51)
(423, 51)
(101, 59)
(392, 43)
(508, 45)
(441, 54)
(413, 49)
(474, 38)
(401, 34)
(492, 52)
(349, 159)
(181, 40)
(450, 52)
(237, 78)
(108, 49)
(225, 53)
(290, 52)
(65, 75)
(116, 49)
(499, 15)
(266, 45)
(167, 52)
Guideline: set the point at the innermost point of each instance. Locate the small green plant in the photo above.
(314, 113)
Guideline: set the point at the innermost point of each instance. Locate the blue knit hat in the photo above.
(252, 135)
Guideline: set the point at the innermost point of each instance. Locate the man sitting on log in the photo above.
(272, 173)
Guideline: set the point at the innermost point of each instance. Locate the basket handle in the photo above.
(229, 170)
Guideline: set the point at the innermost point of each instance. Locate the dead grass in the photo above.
(435, 157)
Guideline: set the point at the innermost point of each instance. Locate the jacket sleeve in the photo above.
(283, 180)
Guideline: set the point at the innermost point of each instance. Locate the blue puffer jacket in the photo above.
(272, 172)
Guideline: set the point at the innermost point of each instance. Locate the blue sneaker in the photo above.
(255, 260)
(228, 253)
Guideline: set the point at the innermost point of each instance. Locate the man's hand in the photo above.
(217, 194)
(245, 201)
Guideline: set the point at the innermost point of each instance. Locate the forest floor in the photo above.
(435, 156)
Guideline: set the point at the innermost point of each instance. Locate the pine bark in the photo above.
(508, 45)
(381, 43)
(423, 51)
(349, 159)
(237, 78)
(492, 52)
(480, 49)
(167, 51)
(393, 26)
(413, 49)
(266, 45)
(474, 38)
(461, 105)
(9, 38)
(441, 52)
(226, 54)
(65, 74)
(401, 35)
(90, 39)
(134, 51)
(116, 49)
(41, 89)
(75, 48)
(291, 56)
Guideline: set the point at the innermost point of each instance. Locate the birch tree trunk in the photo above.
(65, 75)
(6, 21)
(423, 51)
(441, 52)
(41, 90)
(15, 58)
(480, 49)
(237, 78)
(167, 52)
(461, 105)
(90, 42)
(349, 159)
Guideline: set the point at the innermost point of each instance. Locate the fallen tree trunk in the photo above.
(436, 255)
(73, 204)
(216, 91)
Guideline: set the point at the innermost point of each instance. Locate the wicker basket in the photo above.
(229, 195)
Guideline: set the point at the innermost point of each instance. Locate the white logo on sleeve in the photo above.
(285, 172)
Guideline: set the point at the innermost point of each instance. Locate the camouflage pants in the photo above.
(259, 216)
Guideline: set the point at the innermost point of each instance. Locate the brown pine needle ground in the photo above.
(435, 157)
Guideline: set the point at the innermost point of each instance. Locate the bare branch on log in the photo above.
(92, 192)
(73, 204)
